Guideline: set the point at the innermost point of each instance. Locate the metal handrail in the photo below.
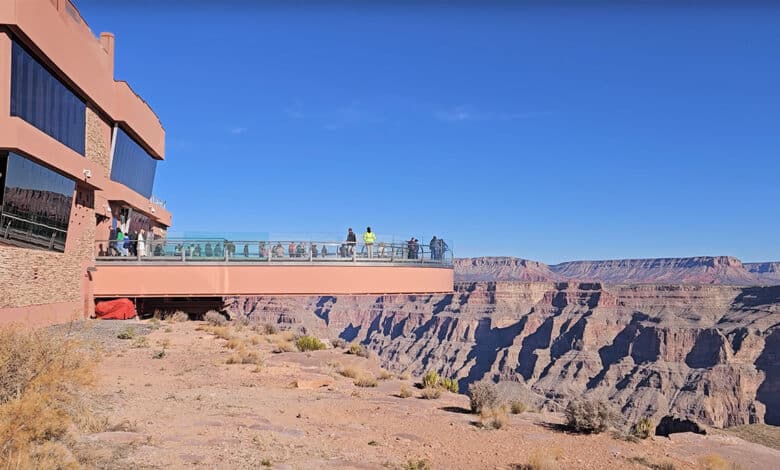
(269, 251)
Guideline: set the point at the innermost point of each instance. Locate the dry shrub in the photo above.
(41, 377)
(493, 418)
(366, 381)
(283, 346)
(358, 350)
(421, 464)
(385, 375)
(338, 343)
(404, 376)
(127, 333)
(643, 428)
(309, 343)
(405, 392)
(214, 318)
(235, 343)
(221, 332)
(715, 462)
(430, 393)
(517, 407)
(178, 317)
(544, 459)
(483, 395)
(242, 356)
(588, 416)
(349, 372)
(254, 340)
(140, 342)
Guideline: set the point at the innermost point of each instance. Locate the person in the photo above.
(442, 248)
(291, 249)
(120, 241)
(314, 251)
(279, 251)
(218, 252)
(112, 249)
(300, 251)
(434, 246)
(261, 250)
(209, 250)
(415, 248)
(197, 251)
(134, 244)
(410, 248)
(369, 238)
(141, 246)
(324, 251)
(351, 242)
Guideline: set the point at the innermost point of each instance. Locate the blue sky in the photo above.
(549, 132)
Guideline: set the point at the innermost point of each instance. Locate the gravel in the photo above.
(102, 333)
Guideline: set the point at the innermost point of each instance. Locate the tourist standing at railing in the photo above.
(112, 249)
(434, 246)
(442, 248)
(324, 251)
(291, 250)
(141, 246)
(351, 242)
(369, 238)
(120, 241)
(261, 250)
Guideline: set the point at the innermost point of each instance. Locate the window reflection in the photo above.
(36, 203)
(132, 165)
(38, 97)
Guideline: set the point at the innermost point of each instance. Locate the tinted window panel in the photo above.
(41, 99)
(36, 203)
(132, 166)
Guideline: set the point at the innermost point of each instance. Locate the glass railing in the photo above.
(291, 251)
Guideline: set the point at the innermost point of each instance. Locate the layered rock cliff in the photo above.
(705, 352)
(725, 270)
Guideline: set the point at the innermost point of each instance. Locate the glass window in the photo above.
(35, 204)
(38, 97)
(132, 165)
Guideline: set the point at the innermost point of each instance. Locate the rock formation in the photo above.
(704, 352)
(725, 270)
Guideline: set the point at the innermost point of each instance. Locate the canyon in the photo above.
(705, 352)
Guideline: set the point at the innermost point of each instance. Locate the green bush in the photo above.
(449, 384)
(430, 379)
(483, 395)
(588, 416)
(309, 343)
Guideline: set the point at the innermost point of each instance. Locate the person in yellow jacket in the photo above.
(369, 238)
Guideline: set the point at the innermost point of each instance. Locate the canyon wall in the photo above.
(709, 353)
(722, 270)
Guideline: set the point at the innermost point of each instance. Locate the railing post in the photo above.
(183, 255)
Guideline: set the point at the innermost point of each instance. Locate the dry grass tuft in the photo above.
(430, 393)
(366, 381)
(282, 346)
(41, 376)
(385, 375)
(405, 392)
(493, 418)
(715, 462)
(543, 459)
(235, 343)
(242, 356)
(358, 350)
(140, 342)
(763, 434)
(349, 372)
(221, 332)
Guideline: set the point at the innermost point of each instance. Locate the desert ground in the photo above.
(187, 394)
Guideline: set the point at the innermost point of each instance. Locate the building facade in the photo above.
(78, 155)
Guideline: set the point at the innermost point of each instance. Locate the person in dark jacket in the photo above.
(351, 242)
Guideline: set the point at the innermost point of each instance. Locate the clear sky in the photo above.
(546, 131)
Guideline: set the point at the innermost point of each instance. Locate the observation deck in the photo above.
(217, 267)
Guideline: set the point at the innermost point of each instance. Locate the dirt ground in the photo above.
(175, 402)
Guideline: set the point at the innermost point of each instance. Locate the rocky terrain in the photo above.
(725, 270)
(700, 352)
(171, 396)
